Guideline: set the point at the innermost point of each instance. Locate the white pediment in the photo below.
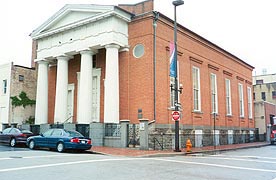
(74, 15)
(71, 18)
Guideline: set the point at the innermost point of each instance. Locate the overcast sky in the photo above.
(245, 28)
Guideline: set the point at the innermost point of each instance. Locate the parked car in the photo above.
(60, 139)
(273, 134)
(14, 136)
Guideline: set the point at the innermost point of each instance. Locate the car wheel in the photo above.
(32, 144)
(12, 142)
(271, 142)
(60, 147)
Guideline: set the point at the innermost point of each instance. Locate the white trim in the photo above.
(199, 89)
(249, 95)
(228, 96)
(71, 87)
(241, 100)
(97, 73)
(104, 11)
(214, 91)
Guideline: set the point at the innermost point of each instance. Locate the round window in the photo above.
(138, 50)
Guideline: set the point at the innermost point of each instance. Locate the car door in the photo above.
(54, 138)
(42, 140)
(5, 136)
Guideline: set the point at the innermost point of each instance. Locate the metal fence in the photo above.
(112, 129)
(160, 141)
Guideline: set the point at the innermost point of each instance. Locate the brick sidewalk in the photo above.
(135, 152)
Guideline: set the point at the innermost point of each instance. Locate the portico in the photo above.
(80, 31)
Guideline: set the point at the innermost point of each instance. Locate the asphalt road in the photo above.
(253, 164)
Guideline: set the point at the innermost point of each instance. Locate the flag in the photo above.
(172, 60)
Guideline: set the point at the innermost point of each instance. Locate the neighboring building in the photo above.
(95, 64)
(14, 80)
(265, 103)
(264, 113)
(265, 88)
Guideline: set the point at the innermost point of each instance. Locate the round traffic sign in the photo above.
(175, 115)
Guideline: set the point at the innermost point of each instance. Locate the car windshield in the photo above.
(73, 133)
(273, 128)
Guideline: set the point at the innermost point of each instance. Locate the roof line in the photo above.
(204, 39)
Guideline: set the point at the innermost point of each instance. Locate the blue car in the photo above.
(60, 139)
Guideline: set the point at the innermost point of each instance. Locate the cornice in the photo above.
(109, 11)
(227, 73)
(213, 67)
(195, 60)
(240, 78)
(178, 52)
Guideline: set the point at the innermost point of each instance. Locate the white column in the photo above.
(111, 84)
(41, 109)
(85, 94)
(61, 89)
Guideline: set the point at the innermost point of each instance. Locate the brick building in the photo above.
(16, 79)
(96, 64)
(264, 103)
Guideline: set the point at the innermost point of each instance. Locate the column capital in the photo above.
(112, 46)
(42, 62)
(65, 58)
(89, 51)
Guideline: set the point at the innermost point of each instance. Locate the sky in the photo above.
(245, 28)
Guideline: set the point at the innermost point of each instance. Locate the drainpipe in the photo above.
(156, 16)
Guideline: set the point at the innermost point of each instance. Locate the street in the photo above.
(253, 163)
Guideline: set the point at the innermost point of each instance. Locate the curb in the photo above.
(183, 153)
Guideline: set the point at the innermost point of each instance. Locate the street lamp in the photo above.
(176, 90)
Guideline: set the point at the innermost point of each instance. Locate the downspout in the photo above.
(156, 16)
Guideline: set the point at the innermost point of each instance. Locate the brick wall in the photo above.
(138, 8)
(136, 77)
(193, 51)
(28, 85)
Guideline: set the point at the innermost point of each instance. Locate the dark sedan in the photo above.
(60, 139)
(14, 136)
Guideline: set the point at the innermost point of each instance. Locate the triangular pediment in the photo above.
(70, 18)
(73, 15)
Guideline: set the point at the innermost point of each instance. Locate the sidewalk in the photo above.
(135, 152)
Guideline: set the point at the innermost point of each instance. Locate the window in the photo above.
(249, 94)
(138, 50)
(263, 96)
(196, 89)
(214, 95)
(260, 81)
(57, 132)
(21, 78)
(241, 100)
(228, 97)
(94, 61)
(4, 86)
(48, 133)
(6, 131)
(274, 94)
(254, 96)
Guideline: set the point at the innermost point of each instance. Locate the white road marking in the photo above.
(257, 157)
(129, 159)
(62, 164)
(217, 165)
(236, 159)
(45, 156)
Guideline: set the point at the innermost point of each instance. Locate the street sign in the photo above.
(175, 115)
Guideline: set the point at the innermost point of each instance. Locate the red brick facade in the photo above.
(136, 75)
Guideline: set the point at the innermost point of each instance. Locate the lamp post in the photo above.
(176, 90)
